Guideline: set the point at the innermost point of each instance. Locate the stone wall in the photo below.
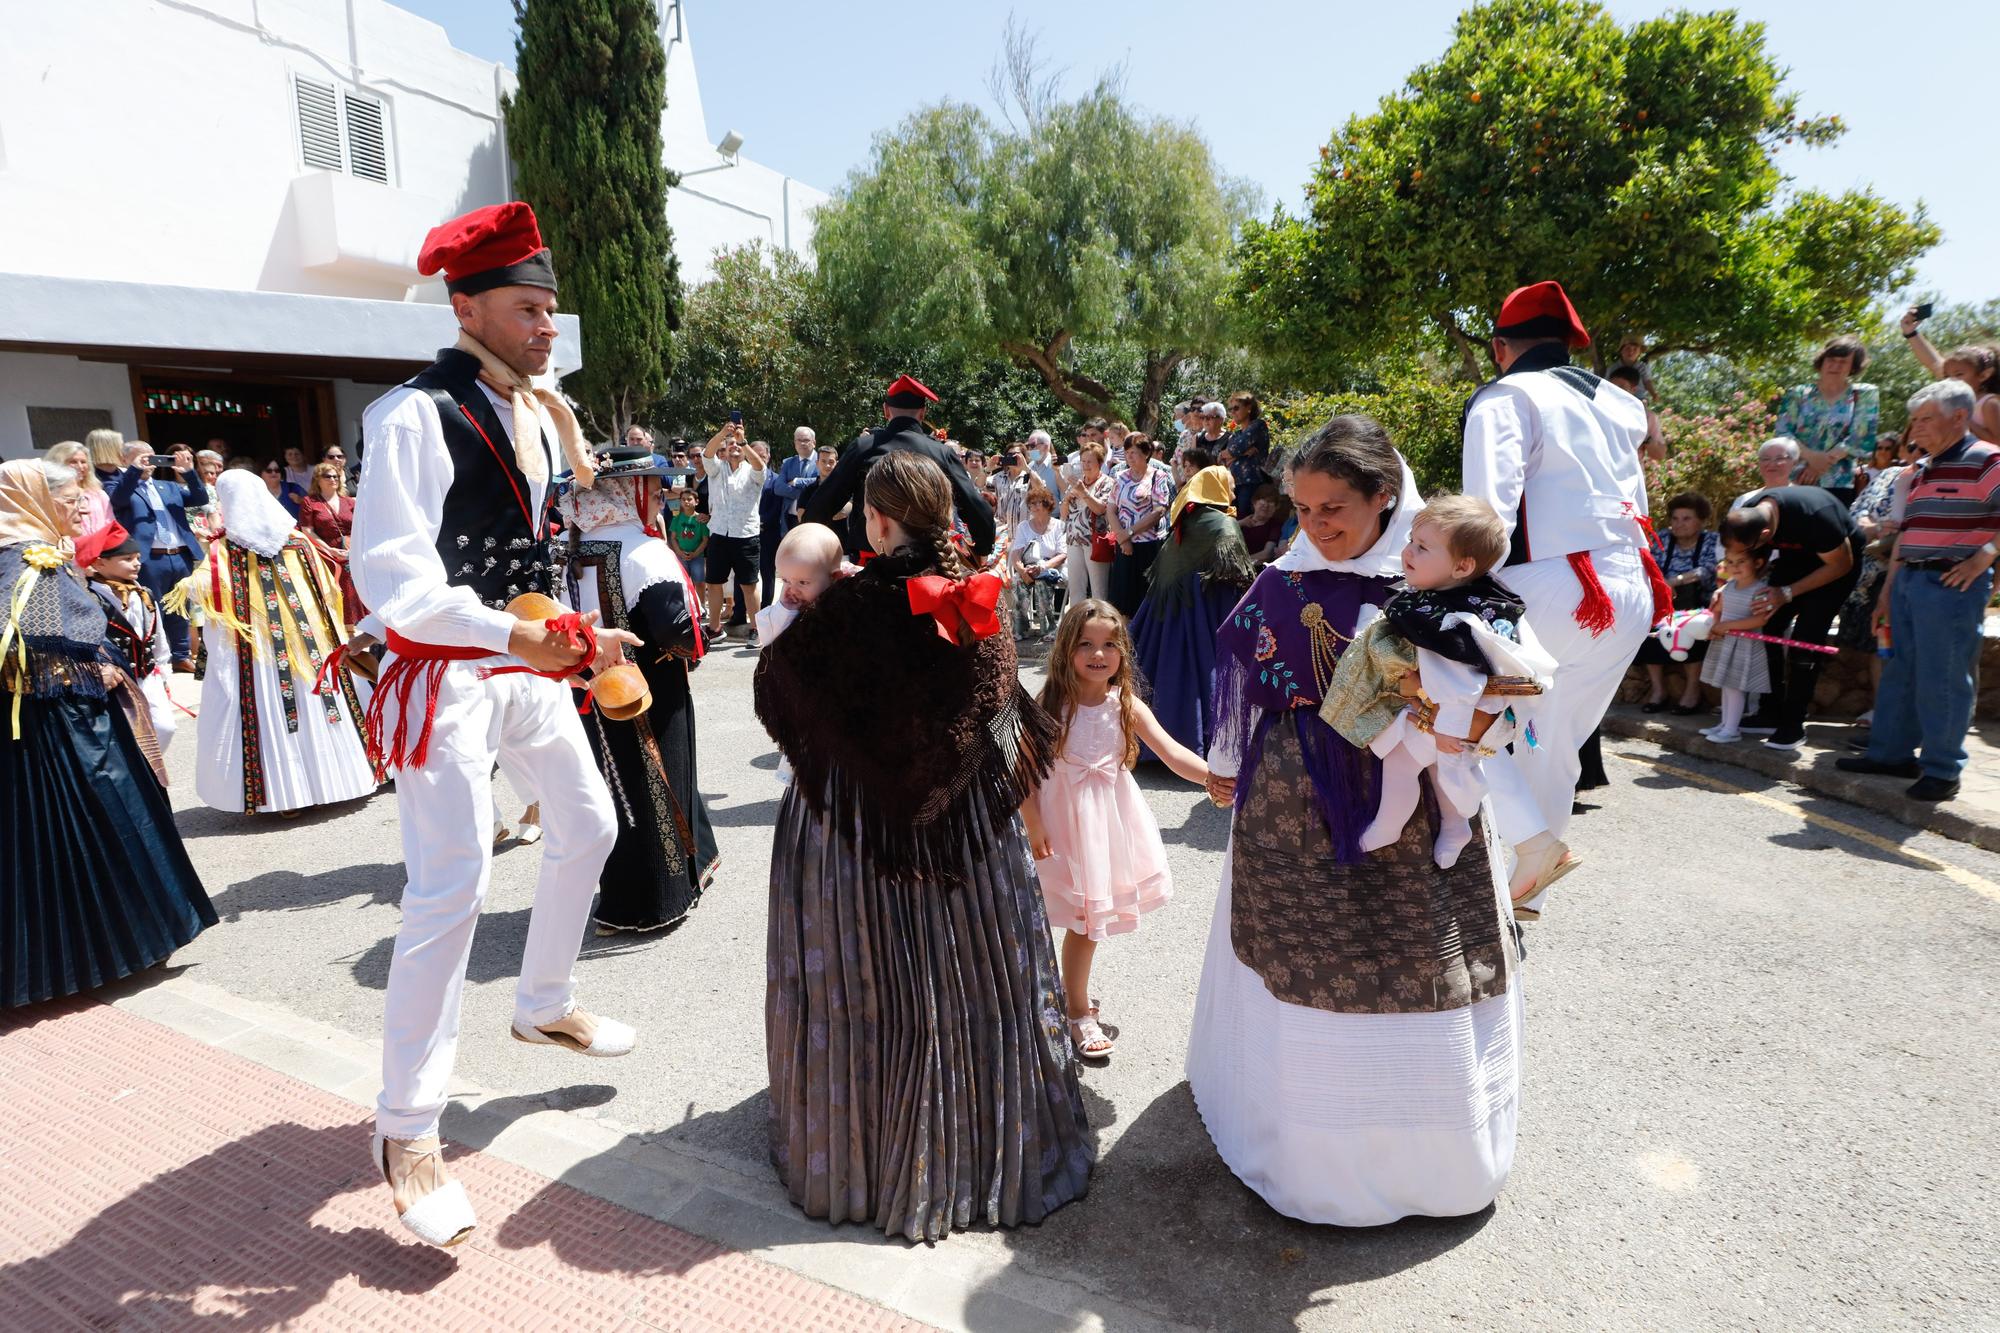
(1844, 689)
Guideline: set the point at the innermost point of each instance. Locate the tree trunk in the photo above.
(1468, 356)
(1160, 367)
(1081, 392)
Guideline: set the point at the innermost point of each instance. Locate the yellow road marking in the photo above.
(1959, 875)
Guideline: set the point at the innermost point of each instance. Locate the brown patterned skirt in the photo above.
(921, 1072)
(1389, 934)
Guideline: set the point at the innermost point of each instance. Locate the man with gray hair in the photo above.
(1933, 602)
(792, 477)
(1040, 447)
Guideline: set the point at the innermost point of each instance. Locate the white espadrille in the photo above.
(612, 1038)
(443, 1217)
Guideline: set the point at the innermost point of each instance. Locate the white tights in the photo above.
(1402, 788)
(1733, 703)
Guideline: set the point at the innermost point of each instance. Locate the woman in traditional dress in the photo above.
(280, 729)
(94, 881)
(1356, 1044)
(921, 1076)
(1202, 570)
(327, 513)
(621, 565)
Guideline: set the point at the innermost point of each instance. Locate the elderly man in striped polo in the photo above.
(1934, 599)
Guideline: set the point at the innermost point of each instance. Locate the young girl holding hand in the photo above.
(1096, 844)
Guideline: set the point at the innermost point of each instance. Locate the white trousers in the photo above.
(1535, 786)
(530, 726)
(1087, 578)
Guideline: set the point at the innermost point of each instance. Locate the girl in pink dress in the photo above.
(1097, 847)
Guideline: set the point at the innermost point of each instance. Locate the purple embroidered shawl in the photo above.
(1264, 672)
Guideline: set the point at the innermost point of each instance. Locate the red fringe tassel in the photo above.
(1595, 612)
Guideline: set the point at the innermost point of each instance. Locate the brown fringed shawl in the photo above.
(903, 737)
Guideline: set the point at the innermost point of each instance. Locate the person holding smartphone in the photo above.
(735, 487)
(1974, 364)
(150, 497)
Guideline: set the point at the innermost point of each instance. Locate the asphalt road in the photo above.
(1760, 1064)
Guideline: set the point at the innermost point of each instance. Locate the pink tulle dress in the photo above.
(1107, 866)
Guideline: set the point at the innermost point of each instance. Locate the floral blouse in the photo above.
(1081, 525)
(1850, 420)
(1154, 491)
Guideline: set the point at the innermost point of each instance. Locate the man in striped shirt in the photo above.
(1934, 598)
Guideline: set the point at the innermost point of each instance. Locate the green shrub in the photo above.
(1711, 453)
(1421, 414)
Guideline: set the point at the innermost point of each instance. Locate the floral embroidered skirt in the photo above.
(921, 1074)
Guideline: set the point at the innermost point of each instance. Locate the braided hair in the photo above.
(911, 490)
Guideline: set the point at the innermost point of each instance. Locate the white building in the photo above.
(212, 210)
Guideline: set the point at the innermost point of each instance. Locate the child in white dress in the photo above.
(1097, 846)
(1475, 662)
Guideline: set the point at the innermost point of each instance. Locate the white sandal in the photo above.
(443, 1217)
(1088, 1036)
(611, 1039)
(1560, 861)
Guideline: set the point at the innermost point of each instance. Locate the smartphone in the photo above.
(735, 416)
(163, 460)
(1924, 311)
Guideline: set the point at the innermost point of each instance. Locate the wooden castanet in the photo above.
(621, 692)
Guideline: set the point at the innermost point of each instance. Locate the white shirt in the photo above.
(164, 537)
(733, 496)
(399, 506)
(1043, 547)
(1563, 466)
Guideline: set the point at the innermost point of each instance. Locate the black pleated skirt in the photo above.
(922, 1078)
(95, 883)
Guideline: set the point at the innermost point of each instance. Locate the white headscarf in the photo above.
(1382, 560)
(609, 512)
(251, 516)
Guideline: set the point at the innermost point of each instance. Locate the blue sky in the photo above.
(807, 84)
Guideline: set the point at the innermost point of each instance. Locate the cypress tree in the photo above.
(584, 131)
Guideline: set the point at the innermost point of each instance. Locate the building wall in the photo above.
(156, 141)
(28, 379)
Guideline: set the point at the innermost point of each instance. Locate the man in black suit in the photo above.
(903, 406)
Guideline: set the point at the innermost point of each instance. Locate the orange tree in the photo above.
(1637, 165)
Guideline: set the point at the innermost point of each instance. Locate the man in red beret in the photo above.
(1555, 451)
(904, 403)
(451, 524)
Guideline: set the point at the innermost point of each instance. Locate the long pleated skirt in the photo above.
(921, 1073)
(95, 883)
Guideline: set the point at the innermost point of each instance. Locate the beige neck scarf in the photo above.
(523, 393)
(28, 509)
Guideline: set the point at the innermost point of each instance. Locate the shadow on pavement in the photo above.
(497, 943)
(289, 891)
(257, 1196)
(1166, 1227)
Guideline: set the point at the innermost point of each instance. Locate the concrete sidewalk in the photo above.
(1973, 817)
(153, 1180)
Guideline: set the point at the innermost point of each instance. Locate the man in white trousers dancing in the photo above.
(1555, 451)
(451, 524)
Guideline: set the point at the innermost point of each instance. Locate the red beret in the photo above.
(1541, 310)
(495, 246)
(93, 546)
(907, 392)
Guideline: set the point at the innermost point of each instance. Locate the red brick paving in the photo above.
(151, 1181)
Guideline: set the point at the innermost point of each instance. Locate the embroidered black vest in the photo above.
(487, 539)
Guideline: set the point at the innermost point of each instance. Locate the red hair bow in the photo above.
(957, 604)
